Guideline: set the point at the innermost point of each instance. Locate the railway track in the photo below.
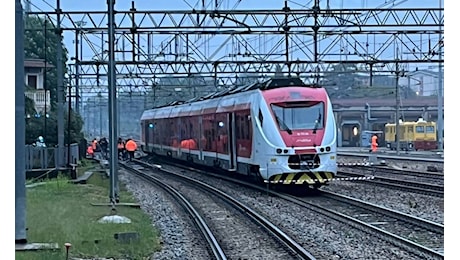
(222, 219)
(420, 236)
(395, 182)
(416, 235)
(432, 176)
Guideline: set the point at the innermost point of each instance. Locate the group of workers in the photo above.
(126, 149)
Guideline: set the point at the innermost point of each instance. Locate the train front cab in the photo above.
(425, 136)
(295, 159)
(420, 135)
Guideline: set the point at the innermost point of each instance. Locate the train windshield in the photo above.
(299, 115)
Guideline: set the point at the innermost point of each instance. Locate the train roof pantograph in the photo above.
(272, 83)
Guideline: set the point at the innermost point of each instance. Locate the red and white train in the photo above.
(280, 131)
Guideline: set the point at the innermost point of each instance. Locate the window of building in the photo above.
(32, 81)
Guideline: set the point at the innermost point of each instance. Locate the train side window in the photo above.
(410, 129)
(261, 117)
(248, 127)
(183, 129)
(240, 127)
(430, 129)
(420, 129)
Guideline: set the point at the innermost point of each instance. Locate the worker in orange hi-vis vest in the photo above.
(374, 143)
(131, 147)
(90, 151)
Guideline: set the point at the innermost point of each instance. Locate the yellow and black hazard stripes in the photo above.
(302, 178)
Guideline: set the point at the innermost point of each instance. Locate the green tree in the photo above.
(340, 80)
(39, 125)
(35, 40)
(35, 36)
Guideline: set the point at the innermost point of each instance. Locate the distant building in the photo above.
(364, 79)
(422, 82)
(361, 79)
(34, 70)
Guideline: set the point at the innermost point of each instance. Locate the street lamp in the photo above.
(419, 92)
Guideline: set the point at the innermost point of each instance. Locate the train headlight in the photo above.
(278, 150)
(328, 149)
(321, 149)
(286, 150)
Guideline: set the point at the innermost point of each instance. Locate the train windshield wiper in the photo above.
(283, 125)
(317, 123)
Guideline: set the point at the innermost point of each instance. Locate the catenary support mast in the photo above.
(113, 131)
(20, 136)
(60, 89)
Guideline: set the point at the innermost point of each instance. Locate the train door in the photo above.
(232, 141)
(181, 135)
(200, 138)
(410, 135)
(147, 133)
(389, 135)
(419, 135)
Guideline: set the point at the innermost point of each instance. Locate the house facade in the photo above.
(423, 82)
(34, 77)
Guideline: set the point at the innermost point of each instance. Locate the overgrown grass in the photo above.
(60, 212)
(85, 165)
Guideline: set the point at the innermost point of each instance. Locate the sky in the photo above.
(125, 5)
(7, 97)
(269, 43)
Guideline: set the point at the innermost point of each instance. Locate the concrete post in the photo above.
(20, 134)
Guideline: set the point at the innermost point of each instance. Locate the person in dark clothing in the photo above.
(104, 147)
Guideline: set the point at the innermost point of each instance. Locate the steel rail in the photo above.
(196, 217)
(270, 227)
